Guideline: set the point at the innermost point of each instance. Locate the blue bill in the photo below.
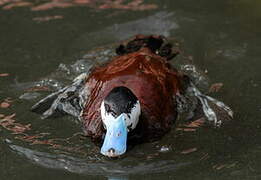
(115, 141)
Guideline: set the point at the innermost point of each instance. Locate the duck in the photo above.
(135, 97)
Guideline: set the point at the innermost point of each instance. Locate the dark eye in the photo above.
(119, 133)
(107, 107)
(130, 105)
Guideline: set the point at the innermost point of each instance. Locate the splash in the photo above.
(211, 107)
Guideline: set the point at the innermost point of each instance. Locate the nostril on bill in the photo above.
(111, 151)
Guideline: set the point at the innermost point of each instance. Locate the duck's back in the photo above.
(149, 77)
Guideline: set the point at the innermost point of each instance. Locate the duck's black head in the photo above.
(120, 111)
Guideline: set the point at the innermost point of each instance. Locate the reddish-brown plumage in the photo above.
(149, 76)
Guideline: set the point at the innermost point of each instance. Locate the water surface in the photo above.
(49, 44)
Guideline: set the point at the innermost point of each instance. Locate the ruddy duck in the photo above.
(137, 95)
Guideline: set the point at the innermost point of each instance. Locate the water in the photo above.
(220, 38)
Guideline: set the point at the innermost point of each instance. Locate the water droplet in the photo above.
(164, 149)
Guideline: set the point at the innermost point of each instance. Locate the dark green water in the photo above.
(222, 36)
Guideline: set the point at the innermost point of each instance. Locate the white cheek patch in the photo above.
(106, 117)
(131, 118)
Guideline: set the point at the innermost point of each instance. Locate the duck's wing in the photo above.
(68, 100)
(192, 102)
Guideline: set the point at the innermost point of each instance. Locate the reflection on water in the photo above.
(117, 177)
(65, 73)
(95, 166)
(160, 23)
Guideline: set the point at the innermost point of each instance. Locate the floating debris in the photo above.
(219, 167)
(9, 123)
(4, 74)
(134, 5)
(10, 117)
(29, 96)
(186, 129)
(47, 18)
(188, 151)
(5, 105)
(152, 156)
(16, 4)
(197, 123)
(204, 157)
(20, 131)
(192, 126)
(215, 87)
(38, 88)
(222, 166)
